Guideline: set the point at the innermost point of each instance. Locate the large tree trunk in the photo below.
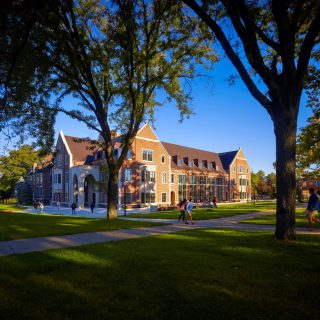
(112, 193)
(285, 131)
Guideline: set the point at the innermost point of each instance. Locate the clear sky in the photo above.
(226, 118)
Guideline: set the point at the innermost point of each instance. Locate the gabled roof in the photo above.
(185, 152)
(227, 158)
(80, 150)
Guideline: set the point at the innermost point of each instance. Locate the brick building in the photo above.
(154, 172)
(40, 180)
(305, 184)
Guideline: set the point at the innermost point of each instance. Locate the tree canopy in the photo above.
(14, 167)
(272, 45)
(115, 58)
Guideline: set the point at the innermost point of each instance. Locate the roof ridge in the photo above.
(179, 145)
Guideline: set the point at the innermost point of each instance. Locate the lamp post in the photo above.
(125, 197)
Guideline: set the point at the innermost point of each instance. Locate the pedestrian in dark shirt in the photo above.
(310, 211)
(92, 206)
(73, 207)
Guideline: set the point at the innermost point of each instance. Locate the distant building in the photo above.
(305, 184)
(154, 172)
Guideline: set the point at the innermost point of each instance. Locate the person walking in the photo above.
(310, 211)
(317, 206)
(215, 202)
(41, 207)
(92, 205)
(189, 206)
(73, 207)
(182, 210)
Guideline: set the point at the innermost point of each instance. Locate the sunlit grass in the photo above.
(301, 219)
(198, 274)
(223, 210)
(20, 225)
(10, 207)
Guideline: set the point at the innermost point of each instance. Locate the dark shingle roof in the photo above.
(227, 158)
(182, 152)
(80, 150)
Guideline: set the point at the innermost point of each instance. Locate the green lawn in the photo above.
(198, 274)
(22, 225)
(301, 219)
(10, 207)
(223, 210)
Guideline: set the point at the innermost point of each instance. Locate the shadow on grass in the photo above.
(18, 226)
(199, 274)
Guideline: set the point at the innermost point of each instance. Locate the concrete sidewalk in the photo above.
(74, 240)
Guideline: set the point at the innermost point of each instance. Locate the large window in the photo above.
(220, 188)
(147, 155)
(148, 176)
(202, 188)
(212, 187)
(148, 197)
(164, 177)
(163, 197)
(182, 187)
(193, 187)
(128, 198)
(127, 175)
(242, 182)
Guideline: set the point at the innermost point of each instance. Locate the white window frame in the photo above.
(148, 152)
(164, 177)
(165, 196)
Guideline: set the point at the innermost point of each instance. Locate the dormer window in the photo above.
(209, 166)
(190, 164)
(179, 163)
(200, 165)
(217, 167)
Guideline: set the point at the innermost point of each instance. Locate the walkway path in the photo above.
(58, 242)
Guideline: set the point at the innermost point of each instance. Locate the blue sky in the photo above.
(226, 118)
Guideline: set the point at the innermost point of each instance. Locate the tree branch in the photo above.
(262, 99)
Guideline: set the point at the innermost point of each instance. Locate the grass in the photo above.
(199, 274)
(10, 207)
(223, 210)
(301, 219)
(20, 225)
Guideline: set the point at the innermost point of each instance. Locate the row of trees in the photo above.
(116, 56)
(263, 185)
(13, 170)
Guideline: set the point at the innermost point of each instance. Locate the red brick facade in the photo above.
(154, 172)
